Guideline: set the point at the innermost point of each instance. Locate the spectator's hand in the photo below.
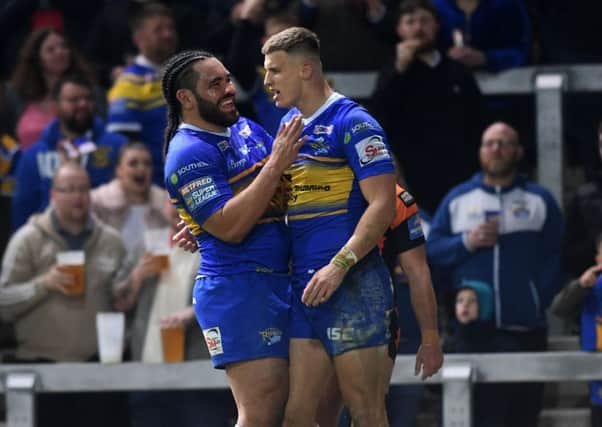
(145, 268)
(485, 235)
(405, 53)
(322, 285)
(184, 238)
(468, 56)
(57, 281)
(590, 276)
(179, 318)
(116, 71)
(375, 10)
(252, 10)
(429, 360)
(287, 144)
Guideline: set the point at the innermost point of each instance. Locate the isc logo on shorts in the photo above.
(213, 338)
(340, 334)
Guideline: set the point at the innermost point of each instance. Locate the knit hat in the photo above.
(484, 295)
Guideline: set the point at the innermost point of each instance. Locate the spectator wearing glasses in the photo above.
(52, 322)
(506, 232)
(76, 134)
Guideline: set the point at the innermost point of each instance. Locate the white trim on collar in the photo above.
(193, 127)
(331, 99)
(145, 62)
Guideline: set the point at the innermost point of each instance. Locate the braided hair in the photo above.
(178, 74)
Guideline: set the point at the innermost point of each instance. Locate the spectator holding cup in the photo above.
(54, 322)
(506, 232)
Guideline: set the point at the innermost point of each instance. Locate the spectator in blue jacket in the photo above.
(494, 35)
(502, 230)
(76, 134)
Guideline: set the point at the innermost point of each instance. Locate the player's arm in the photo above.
(379, 192)
(239, 215)
(429, 357)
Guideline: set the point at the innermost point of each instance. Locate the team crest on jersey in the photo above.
(213, 338)
(245, 132)
(371, 149)
(322, 129)
(520, 209)
(319, 146)
(271, 336)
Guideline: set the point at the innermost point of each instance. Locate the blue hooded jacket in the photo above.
(525, 265)
(41, 160)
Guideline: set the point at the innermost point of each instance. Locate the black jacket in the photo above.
(433, 117)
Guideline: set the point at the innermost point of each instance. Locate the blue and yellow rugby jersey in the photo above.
(203, 170)
(136, 105)
(345, 145)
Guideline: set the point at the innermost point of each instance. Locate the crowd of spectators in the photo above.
(81, 129)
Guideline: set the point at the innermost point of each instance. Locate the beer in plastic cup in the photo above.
(156, 243)
(172, 341)
(110, 328)
(72, 262)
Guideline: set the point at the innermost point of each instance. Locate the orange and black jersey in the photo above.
(405, 232)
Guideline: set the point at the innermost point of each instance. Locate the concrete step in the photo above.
(565, 417)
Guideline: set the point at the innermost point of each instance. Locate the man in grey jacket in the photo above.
(52, 323)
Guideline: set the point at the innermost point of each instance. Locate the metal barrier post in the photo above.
(550, 132)
(20, 399)
(457, 394)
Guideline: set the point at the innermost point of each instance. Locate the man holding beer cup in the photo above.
(59, 270)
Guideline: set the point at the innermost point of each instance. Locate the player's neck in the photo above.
(314, 97)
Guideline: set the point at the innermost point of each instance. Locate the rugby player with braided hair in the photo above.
(223, 173)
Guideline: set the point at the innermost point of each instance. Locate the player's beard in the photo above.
(211, 112)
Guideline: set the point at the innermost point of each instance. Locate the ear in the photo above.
(307, 70)
(186, 99)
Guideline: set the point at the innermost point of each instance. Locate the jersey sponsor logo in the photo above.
(406, 198)
(245, 132)
(362, 126)
(199, 192)
(347, 138)
(311, 187)
(223, 145)
(244, 149)
(173, 178)
(196, 184)
(371, 149)
(323, 129)
(191, 166)
(415, 227)
(271, 336)
(340, 334)
(213, 338)
(235, 164)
